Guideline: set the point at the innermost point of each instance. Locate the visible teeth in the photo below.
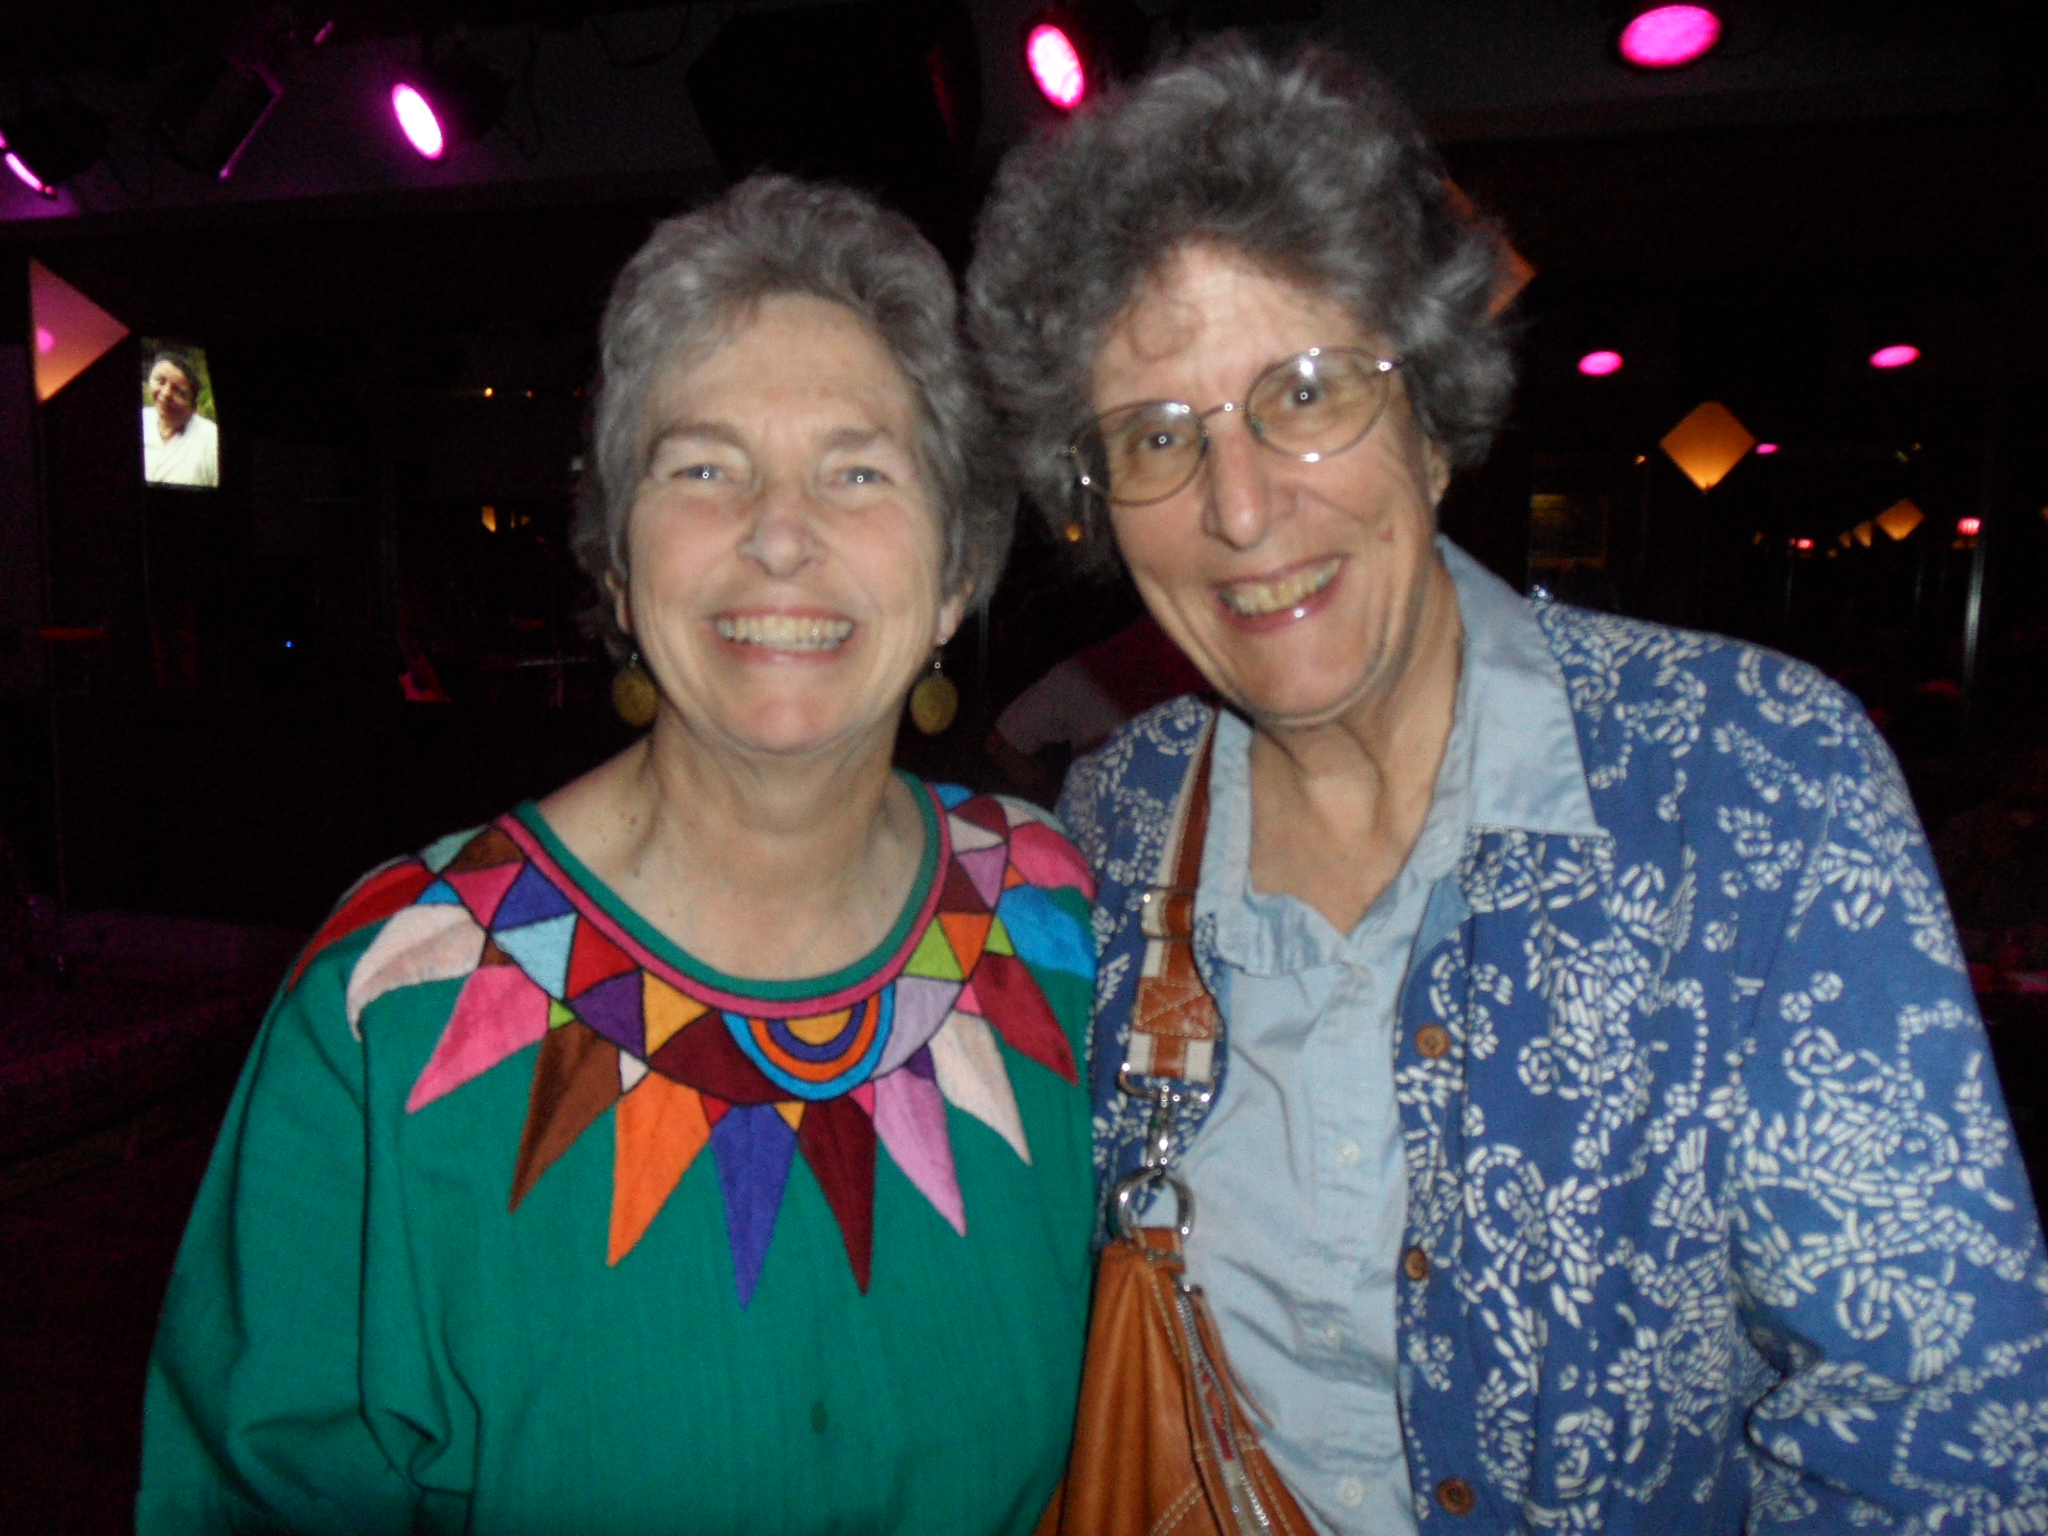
(785, 631)
(1254, 598)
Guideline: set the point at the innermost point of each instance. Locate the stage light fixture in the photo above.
(214, 107)
(1055, 65)
(1895, 356)
(1668, 36)
(1598, 365)
(52, 143)
(1079, 46)
(453, 99)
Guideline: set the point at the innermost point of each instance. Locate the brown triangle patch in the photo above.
(488, 849)
(575, 1080)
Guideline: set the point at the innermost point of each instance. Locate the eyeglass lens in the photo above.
(1307, 407)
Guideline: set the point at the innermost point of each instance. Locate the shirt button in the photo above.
(1456, 1496)
(1415, 1265)
(1351, 1493)
(1347, 1151)
(1432, 1040)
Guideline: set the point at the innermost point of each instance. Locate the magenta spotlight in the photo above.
(27, 177)
(1056, 66)
(1597, 365)
(416, 117)
(1766, 447)
(1669, 35)
(1894, 357)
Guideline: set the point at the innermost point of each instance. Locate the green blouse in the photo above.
(867, 1321)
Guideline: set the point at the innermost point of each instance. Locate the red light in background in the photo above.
(1597, 365)
(416, 117)
(1894, 357)
(1056, 66)
(1802, 545)
(1670, 35)
(1766, 447)
(1969, 527)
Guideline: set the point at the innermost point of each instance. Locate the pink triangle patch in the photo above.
(482, 889)
(985, 868)
(1047, 859)
(910, 1120)
(499, 1012)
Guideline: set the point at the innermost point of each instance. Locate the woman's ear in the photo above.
(622, 604)
(1439, 473)
(951, 612)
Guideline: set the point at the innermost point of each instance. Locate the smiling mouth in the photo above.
(784, 631)
(1255, 599)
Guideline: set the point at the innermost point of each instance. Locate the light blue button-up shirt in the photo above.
(1298, 1174)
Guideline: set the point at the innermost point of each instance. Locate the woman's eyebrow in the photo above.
(712, 431)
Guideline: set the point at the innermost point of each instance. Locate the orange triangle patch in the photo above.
(659, 1129)
(967, 932)
(664, 1010)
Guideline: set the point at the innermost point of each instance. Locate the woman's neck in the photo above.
(763, 867)
(1338, 807)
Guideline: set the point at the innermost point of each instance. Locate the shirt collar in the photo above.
(1527, 775)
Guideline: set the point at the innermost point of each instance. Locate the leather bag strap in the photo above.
(1174, 1020)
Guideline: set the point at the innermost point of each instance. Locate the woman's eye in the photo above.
(1302, 396)
(864, 474)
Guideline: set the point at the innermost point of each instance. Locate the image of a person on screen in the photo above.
(179, 446)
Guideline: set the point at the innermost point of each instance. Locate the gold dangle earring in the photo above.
(634, 695)
(934, 701)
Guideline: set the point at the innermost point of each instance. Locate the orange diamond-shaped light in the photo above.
(1707, 444)
(1900, 518)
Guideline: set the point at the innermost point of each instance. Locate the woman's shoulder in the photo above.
(1126, 787)
(1718, 708)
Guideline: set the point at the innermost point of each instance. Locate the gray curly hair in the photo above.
(700, 274)
(1312, 169)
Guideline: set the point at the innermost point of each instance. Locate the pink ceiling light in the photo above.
(1056, 66)
(1669, 35)
(1894, 357)
(1597, 365)
(416, 117)
(27, 177)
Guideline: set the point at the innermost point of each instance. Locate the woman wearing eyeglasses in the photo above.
(1601, 1133)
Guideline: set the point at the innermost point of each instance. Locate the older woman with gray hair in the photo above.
(700, 1148)
(1599, 1132)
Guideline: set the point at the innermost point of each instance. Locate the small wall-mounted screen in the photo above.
(180, 437)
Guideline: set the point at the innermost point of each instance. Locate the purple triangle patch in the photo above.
(532, 898)
(753, 1147)
(612, 1008)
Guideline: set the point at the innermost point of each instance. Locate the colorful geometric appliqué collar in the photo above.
(684, 1064)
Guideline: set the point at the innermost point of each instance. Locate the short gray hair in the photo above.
(700, 274)
(1311, 169)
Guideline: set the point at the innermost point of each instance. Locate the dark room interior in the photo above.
(219, 707)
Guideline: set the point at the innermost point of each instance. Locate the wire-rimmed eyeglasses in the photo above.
(1309, 407)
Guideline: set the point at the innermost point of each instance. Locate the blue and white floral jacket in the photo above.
(1726, 1224)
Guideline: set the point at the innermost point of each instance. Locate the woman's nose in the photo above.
(783, 538)
(1237, 489)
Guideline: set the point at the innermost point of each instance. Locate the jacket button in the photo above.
(1415, 1265)
(1456, 1496)
(1433, 1040)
